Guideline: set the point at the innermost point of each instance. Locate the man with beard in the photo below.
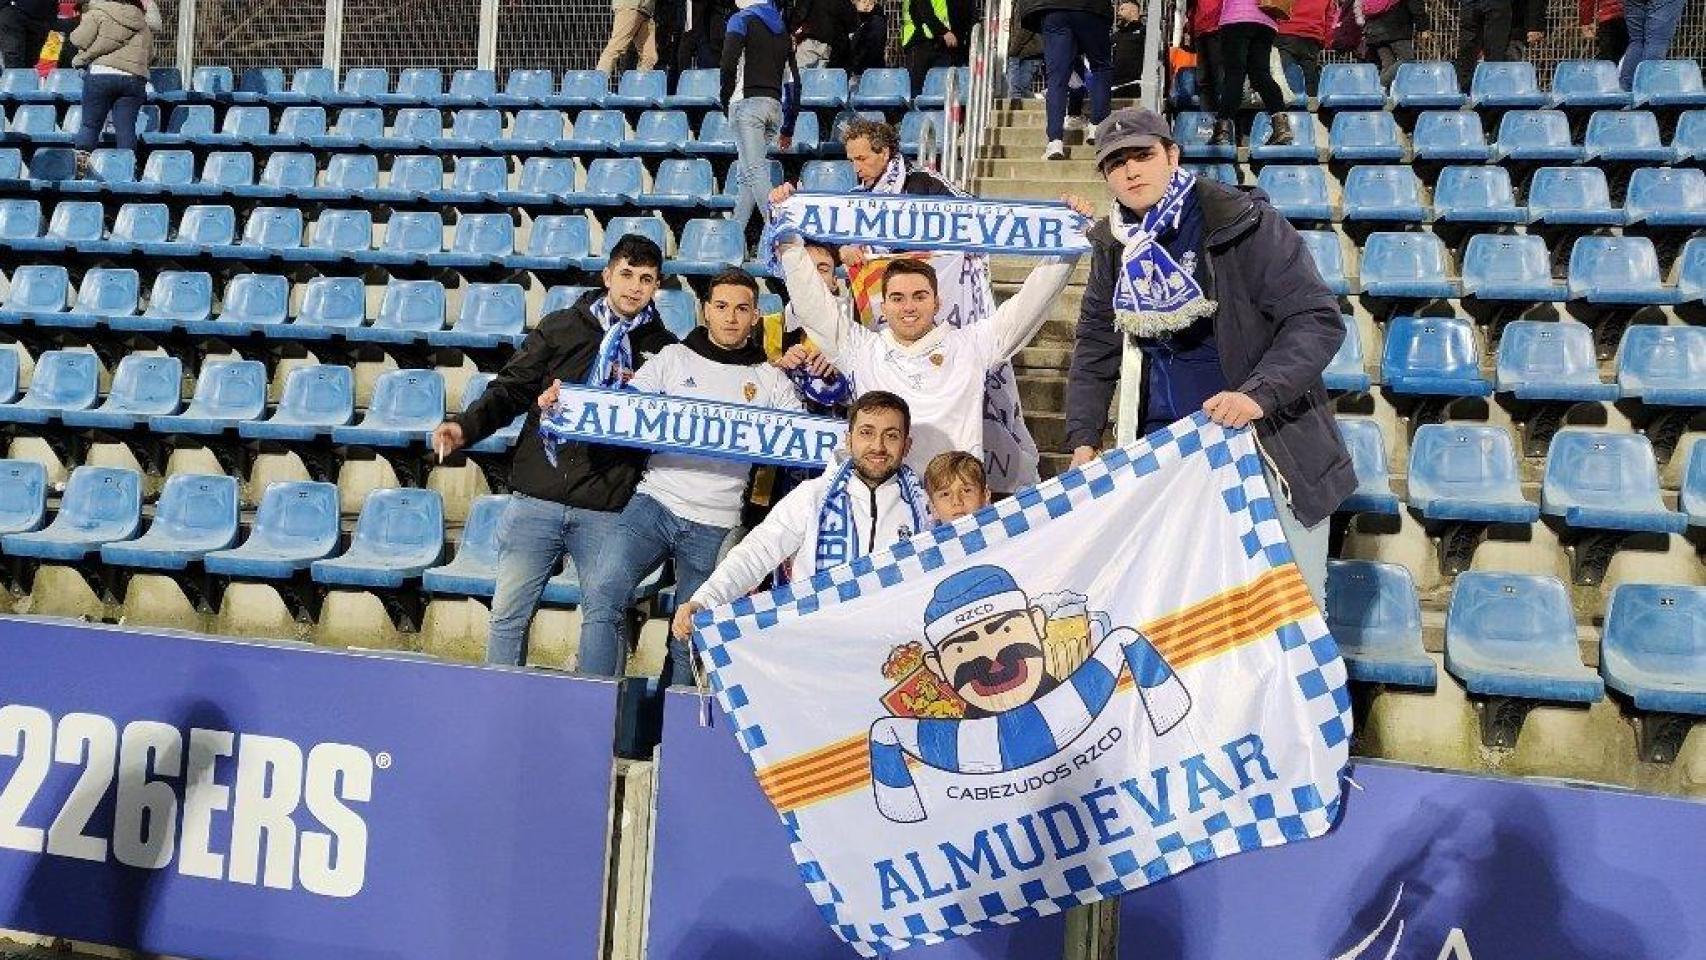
(865, 504)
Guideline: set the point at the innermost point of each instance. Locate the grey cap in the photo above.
(1128, 128)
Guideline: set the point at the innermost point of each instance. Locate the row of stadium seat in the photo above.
(1576, 196)
(821, 88)
(1445, 136)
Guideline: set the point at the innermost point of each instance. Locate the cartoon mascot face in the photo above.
(986, 640)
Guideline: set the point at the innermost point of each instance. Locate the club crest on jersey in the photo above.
(937, 359)
(749, 390)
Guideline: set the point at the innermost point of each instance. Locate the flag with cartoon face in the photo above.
(1073, 693)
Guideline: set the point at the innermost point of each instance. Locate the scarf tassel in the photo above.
(1155, 324)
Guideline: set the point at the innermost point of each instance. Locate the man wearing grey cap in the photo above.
(1232, 318)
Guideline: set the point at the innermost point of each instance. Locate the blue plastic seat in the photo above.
(1667, 197)
(39, 292)
(224, 171)
(11, 164)
(1691, 271)
(408, 311)
(110, 170)
(478, 178)
(561, 297)
(197, 515)
(242, 125)
(1376, 617)
(1351, 86)
(75, 222)
(104, 293)
(1663, 365)
(1547, 360)
(716, 137)
(543, 180)
(491, 314)
(1346, 371)
(1588, 84)
(416, 127)
(640, 89)
(1476, 195)
(406, 406)
(583, 88)
(168, 170)
(273, 230)
(252, 301)
(1654, 646)
(23, 496)
(178, 297)
(354, 125)
(187, 123)
(1626, 136)
(709, 247)
(227, 393)
(823, 88)
(63, 85)
(501, 439)
(473, 572)
(316, 399)
(1463, 471)
(35, 123)
(1218, 172)
(418, 175)
(295, 525)
(679, 309)
(1605, 481)
(652, 228)
(399, 534)
(145, 385)
(9, 373)
(524, 87)
(808, 136)
(1617, 270)
(1693, 498)
(421, 85)
(1192, 131)
(1329, 257)
(472, 87)
(882, 88)
(536, 130)
(1433, 356)
(168, 83)
(597, 131)
(471, 129)
(1669, 83)
(479, 239)
(339, 235)
(658, 131)
(330, 305)
(1506, 84)
(1514, 635)
(19, 84)
(697, 88)
(1365, 137)
(683, 183)
(1367, 445)
(258, 85)
(212, 83)
(1304, 148)
(203, 229)
(1298, 191)
(1406, 265)
(1384, 194)
(285, 174)
(301, 125)
(1454, 136)
(20, 220)
(915, 127)
(309, 85)
(1572, 196)
(101, 505)
(63, 380)
(1689, 141)
(613, 182)
(556, 242)
(934, 94)
(1541, 136)
(828, 176)
(365, 85)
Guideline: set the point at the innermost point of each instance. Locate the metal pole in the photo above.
(486, 58)
(332, 52)
(186, 38)
(951, 135)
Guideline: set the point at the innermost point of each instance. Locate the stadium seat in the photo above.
(242, 125)
(421, 85)
(399, 534)
(1383, 194)
(472, 88)
(1299, 191)
(934, 94)
(473, 179)
(1476, 195)
(415, 128)
(682, 183)
(212, 83)
(1426, 85)
(104, 292)
(1192, 131)
(1617, 270)
(658, 131)
(561, 298)
(406, 406)
(1693, 497)
(1689, 141)
(491, 314)
(882, 88)
(11, 164)
(297, 126)
(408, 311)
(613, 183)
(915, 128)
(285, 174)
(1588, 84)
(1351, 86)
(1654, 646)
(145, 385)
(416, 176)
(1304, 147)
(20, 220)
(309, 85)
(597, 131)
(504, 437)
(1329, 256)
(828, 176)
(1347, 370)
(330, 305)
(479, 240)
(185, 124)
(365, 85)
(471, 130)
(252, 301)
(618, 227)
(177, 297)
(411, 237)
(227, 393)
(9, 363)
(168, 83)
(51, 167)
(1454, 136)
(1514, 635)
(534, 131)
(1218, 172)
(1367, 445)
(316, 399)
(1406, 265)
(1625, 136)
(1463, 471)
(1365, 137)
(699, 88)
(1572, 196)
(197, 515)
(1376, 617)
(1508, 84)
(716, 137)
(473, 572)
(1691, 271)
(101, 505)
(808, 136)
(274, 231)
(295, 525)
(823, 88)
(222, 172)
(543, 180)
(1669, 83)
(1667, 197)
(556, 242)
(1540, 136)
(582, 88)
(258, 85)
(1433, 356)
(23, 496)
(109, 170)
(1551, 360)
(1663, 365)
(708, 247)
(167, 170)
(34, 123)
(1606, 481)
(354, 125)
(640, 90)
(205, 229)
(20, 85)
(524, 88)
(39, 293)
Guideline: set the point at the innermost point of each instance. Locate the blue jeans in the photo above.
(1021, 76)
(121, 96)
(1651, 25)
(532, 538)
(755, 120)
(646, 534)
(1068, 35)
(1308, 544)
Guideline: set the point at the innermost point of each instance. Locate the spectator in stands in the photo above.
(864, 504)
(633, 24)
(1127, 49)
(873, 148)
(939, 370)
(115, 41)
(934, 33)
(1602, 22)
(1205, 40)
(685, 505)
(1246, 51)
(570, 500)
(759, 48)
(1651, 25)
(821, 30)
(24, 26)
(1024, 56)
(820, 384)
(1486, 29)
(1071, 29)
(868, 44)
(1302, 38)
(1390, 32)
(1231, 317)
(1528, 28)
(703, 24)
(957, 486)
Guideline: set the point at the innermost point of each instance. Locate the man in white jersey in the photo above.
(866, 503)
(939, 370)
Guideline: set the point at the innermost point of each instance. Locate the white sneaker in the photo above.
(1075, 123)
(1056, 150)
(1090, 135)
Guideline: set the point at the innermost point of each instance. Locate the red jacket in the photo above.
(1599, 11)
(1205, 17)
(1309, 20)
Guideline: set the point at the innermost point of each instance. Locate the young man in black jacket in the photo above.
(24, 26)
(571, 506)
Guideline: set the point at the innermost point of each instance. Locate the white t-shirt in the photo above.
(706, 490)
(941, 376)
